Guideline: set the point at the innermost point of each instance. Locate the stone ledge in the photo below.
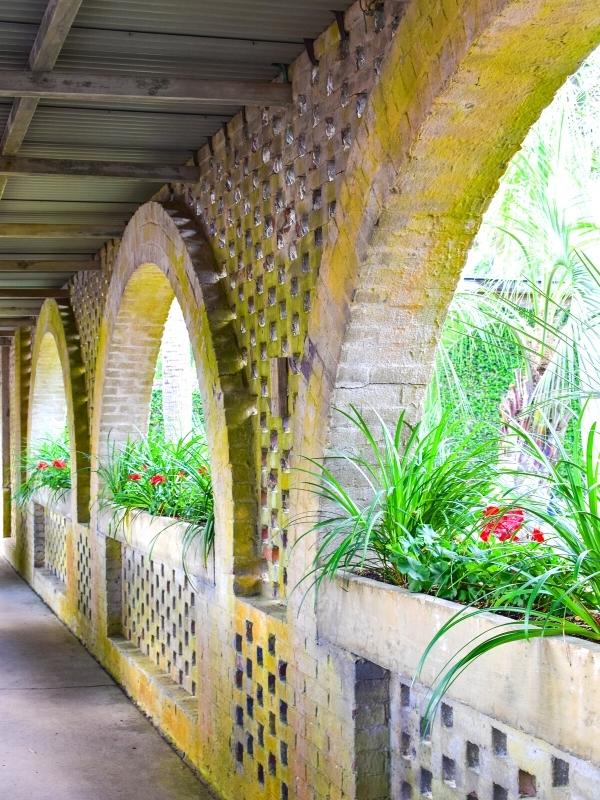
(536, 685)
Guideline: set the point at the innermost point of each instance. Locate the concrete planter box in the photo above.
(62, 504)
(162, 538)
(548, 688)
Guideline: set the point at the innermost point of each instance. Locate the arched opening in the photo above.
(152, 267)
(48, 398)
(153, 453)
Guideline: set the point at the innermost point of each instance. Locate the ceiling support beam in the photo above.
(31, 230)
(35, 265)
(15, 165)
(30, 293)
(15, 322)
(160, 89)
(54, 27)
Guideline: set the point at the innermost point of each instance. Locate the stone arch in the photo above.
(458, 90)
(164, 255)
(58, 393)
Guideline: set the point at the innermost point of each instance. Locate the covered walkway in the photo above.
(67, 732)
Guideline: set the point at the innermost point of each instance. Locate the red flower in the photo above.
(505, 528)
(537, 535)
(43, 465)
(182, 474)
(59, 463)
(134, 476)
(155, 480)
(491, 511)
(203, 471)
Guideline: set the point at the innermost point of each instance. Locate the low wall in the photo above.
(516, 723)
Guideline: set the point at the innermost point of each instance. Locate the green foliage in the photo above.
(418, 524)
(563, 588)
(156, 423)
(166, 479)
(47, 466)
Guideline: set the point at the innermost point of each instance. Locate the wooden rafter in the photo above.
(33, 293)
(161, 89)
(54, 27)
(33, 230)
(17, 166)
(29, 266)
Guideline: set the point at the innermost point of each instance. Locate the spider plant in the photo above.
(563, 597)
(48, 465)
(414, 526)
(166, 479)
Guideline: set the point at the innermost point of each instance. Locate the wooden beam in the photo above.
(12, 312)
(15, 322)
(31, 230)
(39, 265)
(17, 166)
(161, 89)
(32, 293)
(54, 27)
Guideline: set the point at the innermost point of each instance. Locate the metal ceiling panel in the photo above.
(260, 20)
(15, 43)
(207, 57)
(110, 128)
(22, 11)
(85, 189)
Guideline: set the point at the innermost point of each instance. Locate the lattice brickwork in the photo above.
(159, 616)
(84, 573)
(261, 734)
(88, 295)
(55, 534)
(468, 756)
(268, 198)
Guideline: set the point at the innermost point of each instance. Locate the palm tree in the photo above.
(530, 286)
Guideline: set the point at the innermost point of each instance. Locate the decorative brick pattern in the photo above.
(159, 616)
(269, 208)
(84, 573)
(88, 295)
(55, 534)
(468, 755)
(261, 712)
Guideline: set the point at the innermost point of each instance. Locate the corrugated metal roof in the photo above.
(110, 128)
(22, 11)
(173, 54)
(15, 44)
(213, 39)
(266, 20)
(88, 189)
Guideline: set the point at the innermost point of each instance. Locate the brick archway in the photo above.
(58, 393)
(164, 255)
(459, 89)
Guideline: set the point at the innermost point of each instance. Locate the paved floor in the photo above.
(67, 732)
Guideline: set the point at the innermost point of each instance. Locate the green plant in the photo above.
(48, 465)
(417, 523)
(166, 479)
(561, 581)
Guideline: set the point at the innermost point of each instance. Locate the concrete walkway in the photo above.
(67, 732)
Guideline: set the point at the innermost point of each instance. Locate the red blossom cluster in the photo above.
(507, 527)
(154, 480)
(58, 463)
